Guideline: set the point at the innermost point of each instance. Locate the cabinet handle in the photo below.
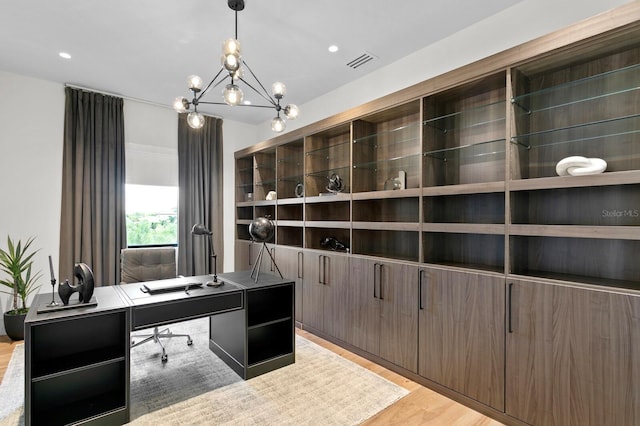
(509, 303)
(299, 264)
(375, 279)
(380, 281)
(324, 274)
(320, 269)
(420, 305)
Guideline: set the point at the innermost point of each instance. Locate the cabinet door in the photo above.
(573, 355)
(266, 264)
(336, 279)
(242, 260)
(290, 263)
(363, 300)
(461, 344)
(398, 295)
(313, 290)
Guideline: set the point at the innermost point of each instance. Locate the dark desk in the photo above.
(77, 361)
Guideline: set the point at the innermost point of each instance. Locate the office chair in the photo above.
(149, 264)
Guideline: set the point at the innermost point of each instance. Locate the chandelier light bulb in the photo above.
(237, 74)
(277, 124)
(194, 82)
(232, 94)
(278, 89)
(195, 120)
(291, 111)
(231, 62)
(180, 104)
(231, 46)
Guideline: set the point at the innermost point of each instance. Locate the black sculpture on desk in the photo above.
(84, 288)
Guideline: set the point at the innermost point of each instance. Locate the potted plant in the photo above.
(16, 262)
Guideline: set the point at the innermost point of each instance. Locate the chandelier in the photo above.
(232, 72)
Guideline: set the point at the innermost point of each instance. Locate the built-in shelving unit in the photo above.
(453, 182)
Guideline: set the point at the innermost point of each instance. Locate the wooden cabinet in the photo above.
(324, 306)
(290, 261)
(383, 310)
(461, 343)
(457, 176)
(573, 355)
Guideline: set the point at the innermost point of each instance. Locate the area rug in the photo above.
(196, 387)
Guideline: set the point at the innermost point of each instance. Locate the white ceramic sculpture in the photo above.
(580, 166)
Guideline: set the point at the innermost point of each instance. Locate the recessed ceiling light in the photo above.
(64, 55)
(247, 102)
(333, 48)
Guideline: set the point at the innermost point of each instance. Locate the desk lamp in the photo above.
(200, 229)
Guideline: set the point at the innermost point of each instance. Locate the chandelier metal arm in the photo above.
(210, 83)
(268, 96)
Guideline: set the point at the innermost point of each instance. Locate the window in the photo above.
(152, 215)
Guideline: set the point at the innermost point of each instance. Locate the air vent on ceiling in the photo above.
(361, 60)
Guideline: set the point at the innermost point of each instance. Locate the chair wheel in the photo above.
(189, 342)
(164, 358)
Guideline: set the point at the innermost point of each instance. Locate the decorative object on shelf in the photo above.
(84, 288)
(332, 243)
(17, 262)
(261, 230)
(199, 229)
(299, 191)
(335, 184)
(53, 302)
(580, 166)
(233, 66)
(271, 195)
(249, 196)
(395, 183)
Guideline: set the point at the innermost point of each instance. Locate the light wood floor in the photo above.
(421, 406)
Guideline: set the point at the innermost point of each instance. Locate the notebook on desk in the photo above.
(168, 285)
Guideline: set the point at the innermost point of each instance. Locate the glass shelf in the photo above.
(343, 172)
(269, 183)
(245, 185)
(324, 151)
(619, 128)
(477, 150)
(397, 136)
(469, 118)
(294, 179)
(595, 87)
(402, 162)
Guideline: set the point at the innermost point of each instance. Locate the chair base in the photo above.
(156, 336)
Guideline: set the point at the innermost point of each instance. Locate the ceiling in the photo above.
(145, 49)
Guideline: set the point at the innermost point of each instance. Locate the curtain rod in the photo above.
(129, 98)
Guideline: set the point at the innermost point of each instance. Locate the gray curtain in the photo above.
(92, 225)
(200, 184)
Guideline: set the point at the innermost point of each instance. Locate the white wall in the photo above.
(31, 131)
(522, 22)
